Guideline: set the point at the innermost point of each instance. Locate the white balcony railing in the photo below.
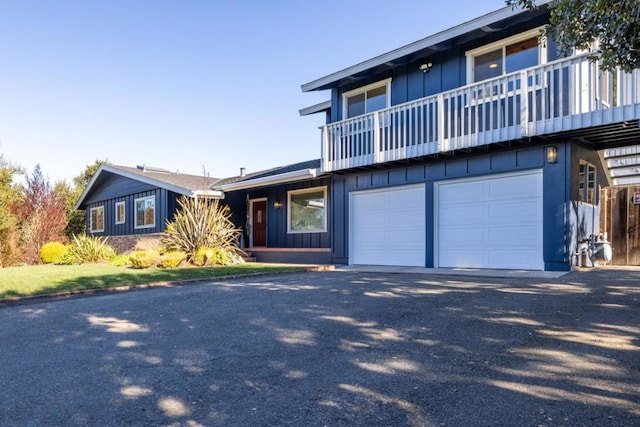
(563, 95)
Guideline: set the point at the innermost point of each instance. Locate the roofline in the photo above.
(316, 108)
(147, 180)
(293, 176)
(474, 24)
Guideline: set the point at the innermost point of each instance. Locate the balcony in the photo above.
(560, 96)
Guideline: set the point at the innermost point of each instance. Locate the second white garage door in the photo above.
(493, 222)
(388, 226)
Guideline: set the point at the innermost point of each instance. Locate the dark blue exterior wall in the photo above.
(556, 195)
(164, 209)
(449, 69)
(115, 186)
(277, 236)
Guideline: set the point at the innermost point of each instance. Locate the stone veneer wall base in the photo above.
(133, 242)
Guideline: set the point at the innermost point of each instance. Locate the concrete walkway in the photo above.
(475, 272)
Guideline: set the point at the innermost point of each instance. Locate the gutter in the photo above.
(299, 175)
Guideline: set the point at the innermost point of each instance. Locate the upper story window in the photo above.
(367, 99)
(120, 213)
(96, 222)
(505, 56)
(587, 183)
(145, 214)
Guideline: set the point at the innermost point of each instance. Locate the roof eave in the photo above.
(475, 24)
(317, 108)
(299, 175)
(147, 180)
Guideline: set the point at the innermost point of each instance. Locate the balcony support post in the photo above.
(524, 101)
(326, 162)
(376, 138)
(440, 123)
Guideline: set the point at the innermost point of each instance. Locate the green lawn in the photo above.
(46, 279)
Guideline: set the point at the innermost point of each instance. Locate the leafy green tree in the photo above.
(10, 198)
(577, 24)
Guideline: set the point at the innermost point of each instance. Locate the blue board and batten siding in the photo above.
(449, 70)
(555, 195)
(277, 232)
(165, 205)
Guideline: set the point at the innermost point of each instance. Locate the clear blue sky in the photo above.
(187, 84)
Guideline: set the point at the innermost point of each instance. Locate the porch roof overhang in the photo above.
(431, 44)
(293, 176)
(317, 108)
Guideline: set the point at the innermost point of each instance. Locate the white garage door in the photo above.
(388, 226)
(491, 222)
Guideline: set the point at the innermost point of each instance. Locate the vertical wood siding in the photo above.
(165, 202)
(449, 70)
(555, 196)
(277, 236)
(621, 219)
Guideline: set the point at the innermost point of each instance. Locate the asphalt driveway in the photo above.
(332, 348)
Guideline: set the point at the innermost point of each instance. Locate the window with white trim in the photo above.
(145, 213)
(367, 99)
(120, 212)
(307, 210)
(96, 219)
(587, 183)
(506, 56)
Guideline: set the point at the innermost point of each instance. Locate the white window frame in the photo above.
(503, 43)
(135, 213)
(302, 191)
(91, 224)
(124, 212)
(382, 83)
(587, 188)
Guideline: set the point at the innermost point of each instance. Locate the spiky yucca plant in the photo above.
(200, 223)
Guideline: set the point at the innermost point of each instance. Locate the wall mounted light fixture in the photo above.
(425, 67)
(552, 154)
(277, 204)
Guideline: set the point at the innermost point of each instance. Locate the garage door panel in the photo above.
(388, 227)
(469, 258)
(522, 235)
(462, 234)
(523, 259)
(500, 226)
(469, 193)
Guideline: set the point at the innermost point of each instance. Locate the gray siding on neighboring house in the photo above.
(555, 194)
(277, 235)
(165, 203)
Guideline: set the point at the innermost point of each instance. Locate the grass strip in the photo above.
(48, 279)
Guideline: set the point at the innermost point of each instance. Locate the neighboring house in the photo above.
(283, 211)
(476, 147)
(126, 203)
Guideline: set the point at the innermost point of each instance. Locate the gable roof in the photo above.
(185, 184)
(426, 46)
(282, 174)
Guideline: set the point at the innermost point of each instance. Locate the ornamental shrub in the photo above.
(84, 249)
(203, 256)
(51, 251)
(120, 261)
(201, 223)
(144, 259)
(172, 259)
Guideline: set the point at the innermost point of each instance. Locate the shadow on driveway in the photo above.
(333, 348)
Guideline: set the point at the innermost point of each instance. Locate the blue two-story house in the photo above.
(476, 147)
